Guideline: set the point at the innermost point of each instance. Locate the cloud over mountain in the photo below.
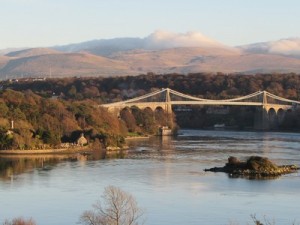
(288, 47)
(156, 41)
(165, 40)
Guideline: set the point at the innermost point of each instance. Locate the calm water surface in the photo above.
(166, 177)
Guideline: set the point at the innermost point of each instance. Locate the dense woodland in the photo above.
(202, 85)
(49, 112)
(41, 122)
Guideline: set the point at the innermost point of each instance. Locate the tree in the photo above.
(149, 121)
(118, 208)
(3, 109)
(129, 119)
(161, 117)
(72, 91)
(5, 139)
(19, 221)
(138, 115)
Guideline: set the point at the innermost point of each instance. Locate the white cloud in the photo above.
(289, 46)
(163, 39)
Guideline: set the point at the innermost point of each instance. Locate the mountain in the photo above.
(160, 52)
(172, 60)
(288, 47)
(3, 61)
(8, 50)
(103, 47)
(158, 40)
(248, 63)
(32, 52)
(64, 64)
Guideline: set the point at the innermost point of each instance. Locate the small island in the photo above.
(255, 167)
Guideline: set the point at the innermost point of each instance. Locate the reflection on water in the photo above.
(216, 146)
(12, 165)
(166, 176)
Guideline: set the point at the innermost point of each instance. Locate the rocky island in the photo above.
(254, 167)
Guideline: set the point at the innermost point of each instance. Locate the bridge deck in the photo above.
(190, 100)
(144, 104)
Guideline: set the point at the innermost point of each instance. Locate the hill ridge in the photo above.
(160, 52)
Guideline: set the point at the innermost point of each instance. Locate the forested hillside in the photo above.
(40, 122)
(49, 112)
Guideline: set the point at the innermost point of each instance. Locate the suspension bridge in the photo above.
(270, 104)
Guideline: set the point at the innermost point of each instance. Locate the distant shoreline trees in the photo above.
(205, 85)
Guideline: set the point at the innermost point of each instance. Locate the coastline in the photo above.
(44, 151)
(67, 150)
(136, 137)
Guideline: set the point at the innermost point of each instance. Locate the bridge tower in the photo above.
(265, 113)
(168, 106)
(261, 120)
(168, 109)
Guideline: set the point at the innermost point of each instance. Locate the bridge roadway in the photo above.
(271, 114)
(141, 102)
(166, 105)
(161, 104)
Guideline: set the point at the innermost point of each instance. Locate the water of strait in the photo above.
(166, 177)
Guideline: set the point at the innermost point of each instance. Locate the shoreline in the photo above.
(136, 137)
(44, 151)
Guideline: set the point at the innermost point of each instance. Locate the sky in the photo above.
(42, 23)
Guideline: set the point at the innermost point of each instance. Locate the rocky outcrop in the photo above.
(254, 167)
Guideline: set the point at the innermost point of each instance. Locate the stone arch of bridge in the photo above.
(153, 108)
(159, 109)
(143, 106)
(125, 108)
(276, 108)
(148, 109)
(272, 117)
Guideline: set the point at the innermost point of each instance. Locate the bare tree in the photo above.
(19, 221)
(118, 208)
(258, 222)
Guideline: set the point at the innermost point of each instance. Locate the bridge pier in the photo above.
(261, 119)
(273, 119)
(268, 118)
